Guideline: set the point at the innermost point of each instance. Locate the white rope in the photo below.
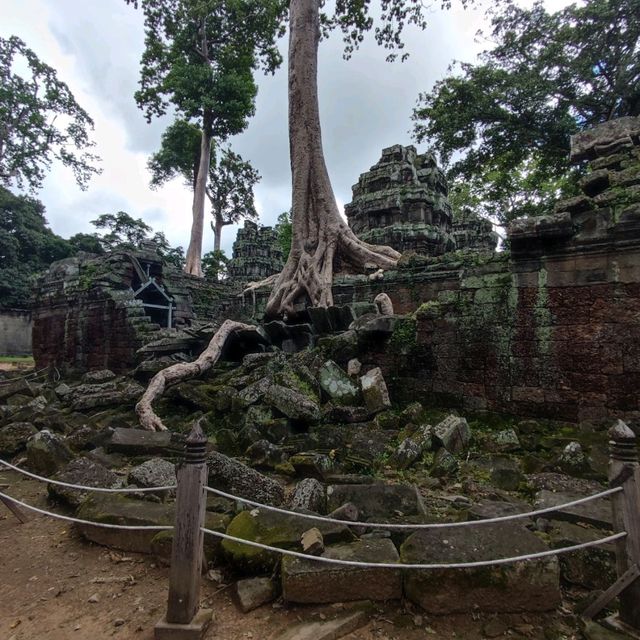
(433, 525)
(34, 374)
(439, 565)
(141, 527)
(81, 487)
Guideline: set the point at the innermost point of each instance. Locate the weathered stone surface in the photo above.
(293, 404)
(584, 144)
(341, 414)
(595, 512)
(312, 542)
(573, 460)
(502, 441)
(504, 472)
(444, 464)
(592, 568)
(14, 437)
(312, 465)
(97, 377)
(140, 442)
(378, 500)
(309, 581)
(105, 395)
(325, 629)
(264, 454)
(523, 586)
(354, 366)
(20, 386)
(238, 479)
(309, 495)
(402, 202)
(276, 530)
(118, 509)
(47, 453)
(83, 472)
(257, 253)
(337, 385)
(252, 593)
(374, 391)
(453, 434)
(156, 472)
(486, 509)
(411, 448)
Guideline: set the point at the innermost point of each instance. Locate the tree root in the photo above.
(183, 371)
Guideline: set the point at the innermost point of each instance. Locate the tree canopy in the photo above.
(40, 121)
(502, 127)
(199, 59)
(27, 246)
(231, 179)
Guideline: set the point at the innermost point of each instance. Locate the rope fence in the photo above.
(81, 487)
(183, 609)
(92, 523)
(413, 527)
(33, 375)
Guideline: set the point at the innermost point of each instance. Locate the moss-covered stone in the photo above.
(276, 530)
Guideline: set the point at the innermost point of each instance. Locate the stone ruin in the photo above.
(471, 232)
(257, 254)
(402, 202)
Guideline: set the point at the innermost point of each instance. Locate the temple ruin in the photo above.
(257, 254)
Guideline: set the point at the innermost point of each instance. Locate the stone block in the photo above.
(374, 391)
(522, 586)
(378, 500)
(313, 582)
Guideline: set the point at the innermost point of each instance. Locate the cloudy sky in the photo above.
(95, 46)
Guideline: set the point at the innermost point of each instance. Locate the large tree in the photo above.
(40, 121)
(199, 58)
(231, 179)
(321, 238)
(503, 125)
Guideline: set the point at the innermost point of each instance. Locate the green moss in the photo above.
(403, 338)
(431, 309)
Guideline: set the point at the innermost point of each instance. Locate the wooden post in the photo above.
(185, 620)
(624, 471)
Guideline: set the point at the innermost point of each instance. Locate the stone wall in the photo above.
(15, 332)
(550, 328)
(87, 314)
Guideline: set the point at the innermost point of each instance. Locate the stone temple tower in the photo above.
(402, 202)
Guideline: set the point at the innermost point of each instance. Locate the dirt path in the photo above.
(56, 586)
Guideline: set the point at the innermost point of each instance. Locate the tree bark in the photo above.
(193, 263)
(149, 419)
(320, 235)
(217, 231)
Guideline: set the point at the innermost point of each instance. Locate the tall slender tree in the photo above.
(231, 179)
(199, 58)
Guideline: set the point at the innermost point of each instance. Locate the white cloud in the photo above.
(365, 105)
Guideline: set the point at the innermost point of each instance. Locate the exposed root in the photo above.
(267, 282)
(183, 371)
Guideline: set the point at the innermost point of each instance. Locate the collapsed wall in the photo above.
(95, 312)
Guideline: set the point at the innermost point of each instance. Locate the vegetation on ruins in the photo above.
(199, 61)
(231, 179)
(320, 236)
(284, 229)
(40, 121)
(503, 125)
(214, 264)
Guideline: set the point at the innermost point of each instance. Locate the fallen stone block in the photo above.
(337, 385)
(374, 391)
(47, 453)
(140, 442)
(83, 472)
(275, 530)
(595, 512)
(453, 434)
(14, 437)
(238, 479)
(292, 404)
(533, 585)
(325, 629)
(252, 593)
(309, 581)
(377, 500)
(310, 494)
(312, 542)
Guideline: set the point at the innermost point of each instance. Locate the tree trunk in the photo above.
(320, 235)
(217, 231)
(194, 252)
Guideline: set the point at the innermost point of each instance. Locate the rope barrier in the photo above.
(81, 487)
(34, 374)
(140, 527)
(413, 527)
(438, 565)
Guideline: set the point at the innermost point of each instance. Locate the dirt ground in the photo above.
(54, 586)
